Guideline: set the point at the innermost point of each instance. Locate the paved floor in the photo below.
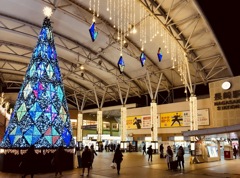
(136, 165)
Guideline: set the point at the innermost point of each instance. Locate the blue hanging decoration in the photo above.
(159, 54)
(93, 32)
(142, 59)
(121, 64)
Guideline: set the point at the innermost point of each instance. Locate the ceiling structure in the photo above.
(178, 27)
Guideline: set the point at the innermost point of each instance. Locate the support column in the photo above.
(154, 131)
(193, 113)
(193, 124)
(79, 127)
(99, 125)
(123, 129)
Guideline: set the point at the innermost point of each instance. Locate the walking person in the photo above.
(28, 164)
(78, 153)
(93, 153)
(161, 151)
(117, 158)
(169, 156)
(86, 160)
(235, 151)
(149, 152)
(144, 149)
(180, 157)
(58, 159)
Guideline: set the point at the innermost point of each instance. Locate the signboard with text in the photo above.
(182, 118)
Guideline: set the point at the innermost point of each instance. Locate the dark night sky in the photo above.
(223, 17)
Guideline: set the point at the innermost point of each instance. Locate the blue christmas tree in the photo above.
(40, 116)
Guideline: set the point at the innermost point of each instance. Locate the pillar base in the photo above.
(154, 146)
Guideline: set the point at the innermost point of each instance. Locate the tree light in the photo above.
(47, 11)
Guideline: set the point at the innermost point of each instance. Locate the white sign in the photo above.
(203, 117)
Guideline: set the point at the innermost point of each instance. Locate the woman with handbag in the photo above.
(117, 158)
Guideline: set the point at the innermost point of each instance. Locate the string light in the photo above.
(107, 5)
(114, 16)
(110, 9)
(90, 5)
(98, 9)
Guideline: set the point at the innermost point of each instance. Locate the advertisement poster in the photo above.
(203, 117)
(146, 121)
(182, 118)
(171, 119)
(134, 122)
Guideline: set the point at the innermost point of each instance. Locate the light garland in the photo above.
(123, 14)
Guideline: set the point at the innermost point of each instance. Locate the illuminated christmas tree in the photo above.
(40, 116)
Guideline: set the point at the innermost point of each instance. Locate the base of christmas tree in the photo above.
(10, 160)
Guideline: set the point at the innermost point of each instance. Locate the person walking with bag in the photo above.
(117, 158)
(149, 152)
(86, 160)
(180, 157)
(169, 156)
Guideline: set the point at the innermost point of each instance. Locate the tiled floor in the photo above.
(135, 165)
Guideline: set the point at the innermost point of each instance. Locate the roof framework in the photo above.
(101, 81)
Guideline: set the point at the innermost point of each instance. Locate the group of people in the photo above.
(29, 165)
(89, 154)
(168, 155)
(86, 158)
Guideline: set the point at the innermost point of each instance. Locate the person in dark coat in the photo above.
(149, 152)
(28, 164)
(117, 158)
(86, 160)
(161, 150)
(94, 153)
(180, 157)
(235, 151)
(58, 159)
(144, 149)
